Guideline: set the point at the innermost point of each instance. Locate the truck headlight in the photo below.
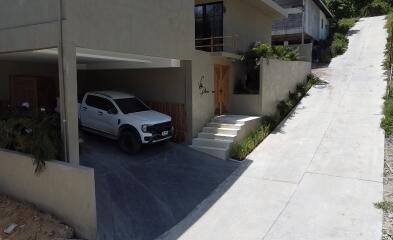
(144, 127)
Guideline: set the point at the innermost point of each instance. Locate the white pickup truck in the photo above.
(123, 117)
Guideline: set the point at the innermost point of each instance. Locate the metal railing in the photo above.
(216, 44)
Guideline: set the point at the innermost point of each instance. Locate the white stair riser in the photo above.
(220, 130)
(219, 153)
(211, 143)
(215, 136)
(224, 125)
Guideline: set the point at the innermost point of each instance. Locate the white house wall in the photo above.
(312, 19)
(150, 27)
(324, 31)
(202, 105)
(249, 23)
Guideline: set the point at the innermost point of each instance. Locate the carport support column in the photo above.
(69, 102)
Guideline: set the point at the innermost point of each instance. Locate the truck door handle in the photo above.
(84, 108)
(100, 113)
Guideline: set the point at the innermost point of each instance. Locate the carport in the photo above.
(153, 79)
(137, 196)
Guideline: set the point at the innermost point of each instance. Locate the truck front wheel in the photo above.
(130, 142)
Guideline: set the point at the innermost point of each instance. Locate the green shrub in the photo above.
(241, 150)
(263, 50)
(376, 8)
(339, 44)
(389, 50)
(344, 25)
(387, 121)
(385, 206)
(31, 133)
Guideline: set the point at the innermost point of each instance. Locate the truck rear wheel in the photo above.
(130, 142)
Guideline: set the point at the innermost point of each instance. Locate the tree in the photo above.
(342, 8)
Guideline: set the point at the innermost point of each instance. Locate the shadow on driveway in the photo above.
(144, 195)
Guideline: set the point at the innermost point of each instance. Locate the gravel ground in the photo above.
(388, 189)
(32, 224)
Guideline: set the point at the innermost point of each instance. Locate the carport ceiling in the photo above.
(89, 59)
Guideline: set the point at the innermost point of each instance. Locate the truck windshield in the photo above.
(131, 105)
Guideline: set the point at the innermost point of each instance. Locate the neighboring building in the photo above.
(310, 17)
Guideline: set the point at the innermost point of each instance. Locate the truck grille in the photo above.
(159, 128)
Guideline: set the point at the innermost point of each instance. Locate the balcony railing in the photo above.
(217, 44)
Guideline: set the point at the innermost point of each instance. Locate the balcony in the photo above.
(218, 43)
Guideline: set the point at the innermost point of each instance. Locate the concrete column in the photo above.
(69, 103)
(188, 78)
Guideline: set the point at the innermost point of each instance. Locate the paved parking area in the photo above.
(141, 196)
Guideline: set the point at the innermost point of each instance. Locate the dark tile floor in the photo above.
(142, 196)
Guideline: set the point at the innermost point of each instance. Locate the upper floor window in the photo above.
(209, 26)
(322, 23)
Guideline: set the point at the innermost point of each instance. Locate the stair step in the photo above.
(218, 136)
(225, 125)
(221, 153)
(220, 130)
(211, 143)
(231, 119)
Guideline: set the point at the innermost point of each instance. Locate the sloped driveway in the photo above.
(141, 196)
(318, 175)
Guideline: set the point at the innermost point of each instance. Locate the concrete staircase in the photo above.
(218, 136)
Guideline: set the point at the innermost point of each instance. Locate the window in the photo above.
(322, 23)
(99, 103)
(131, 105)
(209, 23)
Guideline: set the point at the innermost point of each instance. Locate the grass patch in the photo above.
(385, 206)
(387, 120)
(241, 150)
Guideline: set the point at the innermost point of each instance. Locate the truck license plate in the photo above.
(165, 133)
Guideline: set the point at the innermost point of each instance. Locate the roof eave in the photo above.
(270, 8)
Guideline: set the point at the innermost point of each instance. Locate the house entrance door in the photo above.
(221, 87)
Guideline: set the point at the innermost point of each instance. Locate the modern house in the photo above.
(64, 48)
(308, 20)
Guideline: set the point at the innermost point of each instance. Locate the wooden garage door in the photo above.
(178, 113)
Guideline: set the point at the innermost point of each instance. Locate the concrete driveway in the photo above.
(318, 175)
(142, 196)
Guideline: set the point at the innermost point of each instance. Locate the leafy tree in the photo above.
(342, 8)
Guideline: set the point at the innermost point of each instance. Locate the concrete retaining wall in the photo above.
(305, 51)
(66, 191)
(277, 79)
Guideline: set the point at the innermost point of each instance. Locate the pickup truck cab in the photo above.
(125, 118)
